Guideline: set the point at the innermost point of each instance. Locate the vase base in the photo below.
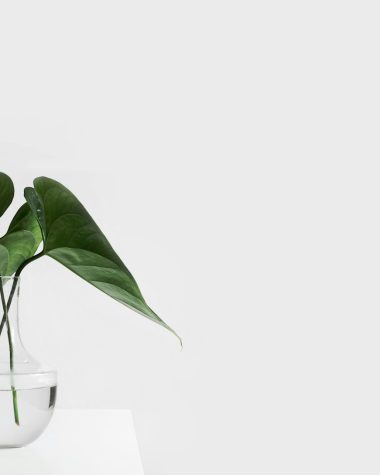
(35, 408)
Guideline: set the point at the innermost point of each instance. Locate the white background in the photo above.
(230, 152)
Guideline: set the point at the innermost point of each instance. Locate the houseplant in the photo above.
(52, 222)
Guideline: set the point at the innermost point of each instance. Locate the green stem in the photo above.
(15, 406)
(11, 363)
(5, 320)
(8, 306)
(14, 285)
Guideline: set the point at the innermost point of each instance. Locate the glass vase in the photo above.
(27, 388)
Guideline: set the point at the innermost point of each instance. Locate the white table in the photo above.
(79, 442)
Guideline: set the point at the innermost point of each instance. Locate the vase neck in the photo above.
(9, 317)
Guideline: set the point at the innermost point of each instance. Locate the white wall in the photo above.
(230, 152)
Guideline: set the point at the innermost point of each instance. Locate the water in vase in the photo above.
(27, 388)
(35, 409)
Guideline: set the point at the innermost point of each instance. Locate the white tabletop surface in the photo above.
(79, 442)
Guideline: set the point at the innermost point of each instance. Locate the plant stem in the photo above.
(15, 406)
(8, 305)
(14, 285)
(11, 364)
(5, 320)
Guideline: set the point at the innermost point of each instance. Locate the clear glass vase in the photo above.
(27, 388)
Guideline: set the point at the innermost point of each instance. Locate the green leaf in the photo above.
(74, 239)
(24, 220)
(21, 240)
(36, 207)
(6, 192)
(23, 235)
(20, 246)
(4, 256)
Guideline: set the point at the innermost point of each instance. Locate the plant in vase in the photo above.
(52, 222)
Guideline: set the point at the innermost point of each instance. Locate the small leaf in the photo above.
(6, 192)
(24, 220)
(23, 236)
(20, 246)
(74, 239)
(21, 240)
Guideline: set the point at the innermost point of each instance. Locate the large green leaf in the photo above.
(6, 192)
(73, 238)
